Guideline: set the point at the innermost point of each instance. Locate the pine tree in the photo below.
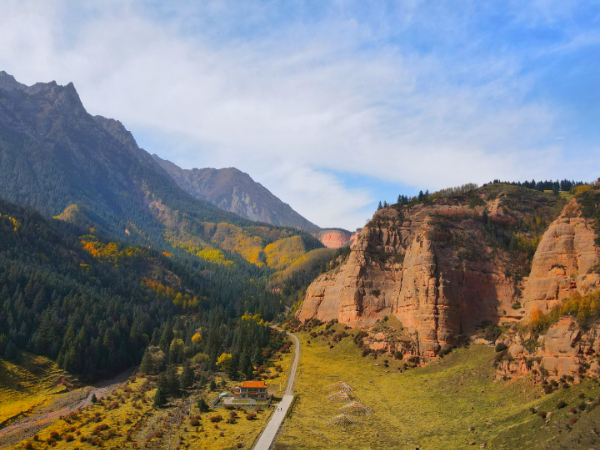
(11, 351)
(202, 405)
(167, 337)
(186, 379)
(147, 365)
(94, 399)
(257, 358)
(232, 369)
(160, 397)
(172, 381)
(380, 206)
(212, 385)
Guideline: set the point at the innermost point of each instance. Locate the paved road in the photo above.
(268, 435)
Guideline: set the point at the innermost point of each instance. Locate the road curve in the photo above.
(270, 432)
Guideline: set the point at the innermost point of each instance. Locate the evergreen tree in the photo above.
(94, 399)
(160, 397)
(186, 379)
(11, 351)
(380, 206)
(202, 405)
(212, 385)
(232, 369)
(257, 358)
(246, 366)
(172, 381)
(147, 365)
(167, 337)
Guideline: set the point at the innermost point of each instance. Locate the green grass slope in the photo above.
(451, 404)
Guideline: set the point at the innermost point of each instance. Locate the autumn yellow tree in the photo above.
(223, 361)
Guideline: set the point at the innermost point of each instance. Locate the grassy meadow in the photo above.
(34, 382)
(453, 403)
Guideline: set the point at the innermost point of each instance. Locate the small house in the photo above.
(255, 390)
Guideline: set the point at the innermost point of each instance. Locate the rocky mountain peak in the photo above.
(8, 82)
(233, 190)
(117, 130)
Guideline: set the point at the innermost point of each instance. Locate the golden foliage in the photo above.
(197, 338)
(214, 256)
(224, 360)
(253, 318)
(583, 308)
(236, 240)
(180, 300)
(111, 252)
(15, 223)
(581, 189)
(284, 252)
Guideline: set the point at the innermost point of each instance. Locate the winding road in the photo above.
(267, 438)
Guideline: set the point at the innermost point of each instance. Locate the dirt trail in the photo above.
(61, 406)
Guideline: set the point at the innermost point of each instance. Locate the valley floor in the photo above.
(453, 403)
(124, 416)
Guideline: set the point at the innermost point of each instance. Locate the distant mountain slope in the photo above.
(63, 162)
(53, 154)
(233, 190)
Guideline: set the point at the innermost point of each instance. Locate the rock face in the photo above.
(564, 351)
(564, 261)
(235, 191)
(402, 265)
(335, 238)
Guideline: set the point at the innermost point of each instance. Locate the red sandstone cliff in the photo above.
(563, 351)
(564, 261)
(435, 267)
(335, 238)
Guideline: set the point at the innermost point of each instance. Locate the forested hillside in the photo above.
(58, 159)
(95, 304)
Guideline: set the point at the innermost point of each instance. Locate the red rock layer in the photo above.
(400, 265)
(563, 263)
(563, 351)
(335, 238)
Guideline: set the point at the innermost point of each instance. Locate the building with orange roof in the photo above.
(255, 390)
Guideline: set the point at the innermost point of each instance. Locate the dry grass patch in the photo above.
(447, 404)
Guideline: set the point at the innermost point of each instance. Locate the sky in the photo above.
(332, 105)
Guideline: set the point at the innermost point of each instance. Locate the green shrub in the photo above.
(561, 404)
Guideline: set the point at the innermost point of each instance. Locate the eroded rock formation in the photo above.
(402, 265)
(335, 238)
(564, 261)
(564, 351)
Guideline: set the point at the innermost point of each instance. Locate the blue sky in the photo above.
(332, 105)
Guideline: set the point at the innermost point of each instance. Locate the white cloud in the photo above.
(288, 105)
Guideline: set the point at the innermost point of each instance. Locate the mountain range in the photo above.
(235, 191)
(63, 162)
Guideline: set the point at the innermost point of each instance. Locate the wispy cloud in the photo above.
(418, 94)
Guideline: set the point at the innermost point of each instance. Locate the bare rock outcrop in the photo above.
(334, 238)
(430, 266)
(565, 351)
(564, 262)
